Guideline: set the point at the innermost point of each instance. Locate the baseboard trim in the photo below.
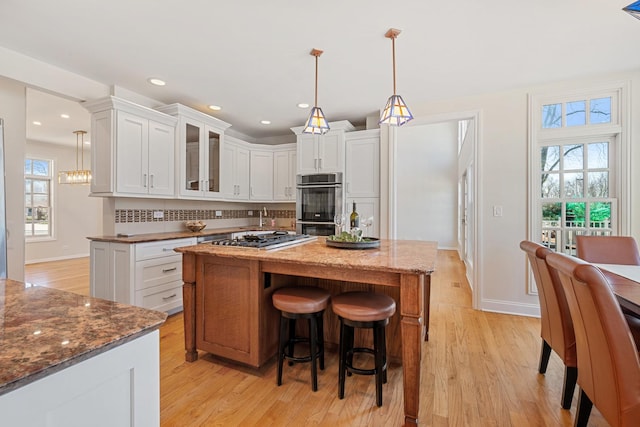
(510, 307)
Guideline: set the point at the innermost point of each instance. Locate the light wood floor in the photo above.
(478, 369)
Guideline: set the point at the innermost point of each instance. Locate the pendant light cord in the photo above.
(393, 52)
(316, 104)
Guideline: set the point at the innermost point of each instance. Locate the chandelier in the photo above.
(77, 176)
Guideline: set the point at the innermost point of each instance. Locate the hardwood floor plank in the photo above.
(478, 369)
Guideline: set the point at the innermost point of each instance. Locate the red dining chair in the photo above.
(555, 320)
(608, 362)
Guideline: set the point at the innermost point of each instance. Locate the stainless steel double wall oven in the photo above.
(319, 197)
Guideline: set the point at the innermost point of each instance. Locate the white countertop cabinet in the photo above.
(132, 149)
(235, 170)
(146, 274)
(322, 153)
(261, 175)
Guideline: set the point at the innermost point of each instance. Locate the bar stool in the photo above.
(363, 310)
(302, 302)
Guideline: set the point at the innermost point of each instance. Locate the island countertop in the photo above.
(44, 330)
(397, 256)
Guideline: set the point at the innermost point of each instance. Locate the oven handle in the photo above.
(323, 185)
(315, 222)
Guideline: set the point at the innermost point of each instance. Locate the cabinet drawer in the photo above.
(161, 298)
(162, 248)
(158, 271)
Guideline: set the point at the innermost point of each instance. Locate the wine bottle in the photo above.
(354, 218)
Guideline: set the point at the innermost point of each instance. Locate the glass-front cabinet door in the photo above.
(192, 182)
(213, 161)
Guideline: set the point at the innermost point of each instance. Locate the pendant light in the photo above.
(396, 112)
(633, 9)
(316, 123)
(77, 176)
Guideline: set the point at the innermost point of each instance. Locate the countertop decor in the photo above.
(46, 330)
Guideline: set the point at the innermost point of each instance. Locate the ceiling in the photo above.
(252, 57)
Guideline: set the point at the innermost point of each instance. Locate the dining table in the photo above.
(625, 284)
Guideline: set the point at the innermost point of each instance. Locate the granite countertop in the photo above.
(400, 256)
(154, 237)
(44, 330)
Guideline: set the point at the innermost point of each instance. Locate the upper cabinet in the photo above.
(362, 169)
(261, 175)
(322, 153)
(132, 149)
(235, 169)
(199, 148)
(284, 173)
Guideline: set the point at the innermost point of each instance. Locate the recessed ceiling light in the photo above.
(156, 81)
(37, 123)
(265, 122)
(303, 105)
(215, 107)
(64, 116)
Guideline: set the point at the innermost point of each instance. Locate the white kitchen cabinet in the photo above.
(362, 164)
(132, 149)
(146, 274)
(322, 153)
(284, 173)
(367, 207)
(235, 169)
(261, 175)
(199, 148)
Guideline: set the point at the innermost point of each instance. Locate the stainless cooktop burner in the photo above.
(277, 238)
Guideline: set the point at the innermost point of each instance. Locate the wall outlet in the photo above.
(249, 213)
(158, 214)
(218, 213)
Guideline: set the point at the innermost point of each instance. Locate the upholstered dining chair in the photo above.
(608, 362)
(555, 320)
(608, 249)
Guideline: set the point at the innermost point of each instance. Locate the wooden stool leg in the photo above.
(313, 348)
(378, 349)
(342, 361)
(282, 344)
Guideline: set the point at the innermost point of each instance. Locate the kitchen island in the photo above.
(71, 360)
(227, 297)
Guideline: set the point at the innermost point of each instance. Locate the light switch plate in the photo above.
(218, 213)
(497, 210)
(158, 214)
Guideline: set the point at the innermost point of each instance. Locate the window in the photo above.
(37, 192)
(579, 168)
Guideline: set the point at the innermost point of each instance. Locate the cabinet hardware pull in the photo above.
(320, 163)
(167, 249)
(151, 181)
(144, 180)
(166, 270)
(170, 296)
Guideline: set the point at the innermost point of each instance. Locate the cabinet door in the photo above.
(102, 151)
(191, 157)
(227, 179)
(281, 175)
(161, 158)
(210, 172)
(100, 284)
(307, 153)
(242, 173)
(362, 168)
(132, 148)
(331, 152)
(227, 312)
(261, 175)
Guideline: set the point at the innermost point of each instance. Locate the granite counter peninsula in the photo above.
(68, 360)
(227, 297)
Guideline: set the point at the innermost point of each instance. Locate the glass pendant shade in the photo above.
(316, 123)
(396, 112)
(633, 9)
(79, 175)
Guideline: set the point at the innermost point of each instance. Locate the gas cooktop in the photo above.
(274, 240)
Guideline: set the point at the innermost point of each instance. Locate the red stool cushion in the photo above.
(363, 306)
(301, 300)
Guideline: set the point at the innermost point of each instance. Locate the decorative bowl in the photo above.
(195, 225)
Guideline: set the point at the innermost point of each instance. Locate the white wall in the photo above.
(76, 215)
(502, 174)
(12, 110)
(426, 183)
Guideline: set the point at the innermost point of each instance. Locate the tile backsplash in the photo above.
(123, 216)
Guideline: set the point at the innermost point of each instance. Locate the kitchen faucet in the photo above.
(264, 209)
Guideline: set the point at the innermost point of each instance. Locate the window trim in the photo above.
(619, 128)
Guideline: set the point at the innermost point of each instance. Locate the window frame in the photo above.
(617, 132)
(50, 178)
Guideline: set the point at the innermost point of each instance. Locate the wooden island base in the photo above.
(228, 310)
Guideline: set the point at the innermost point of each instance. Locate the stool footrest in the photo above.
(352, 369)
